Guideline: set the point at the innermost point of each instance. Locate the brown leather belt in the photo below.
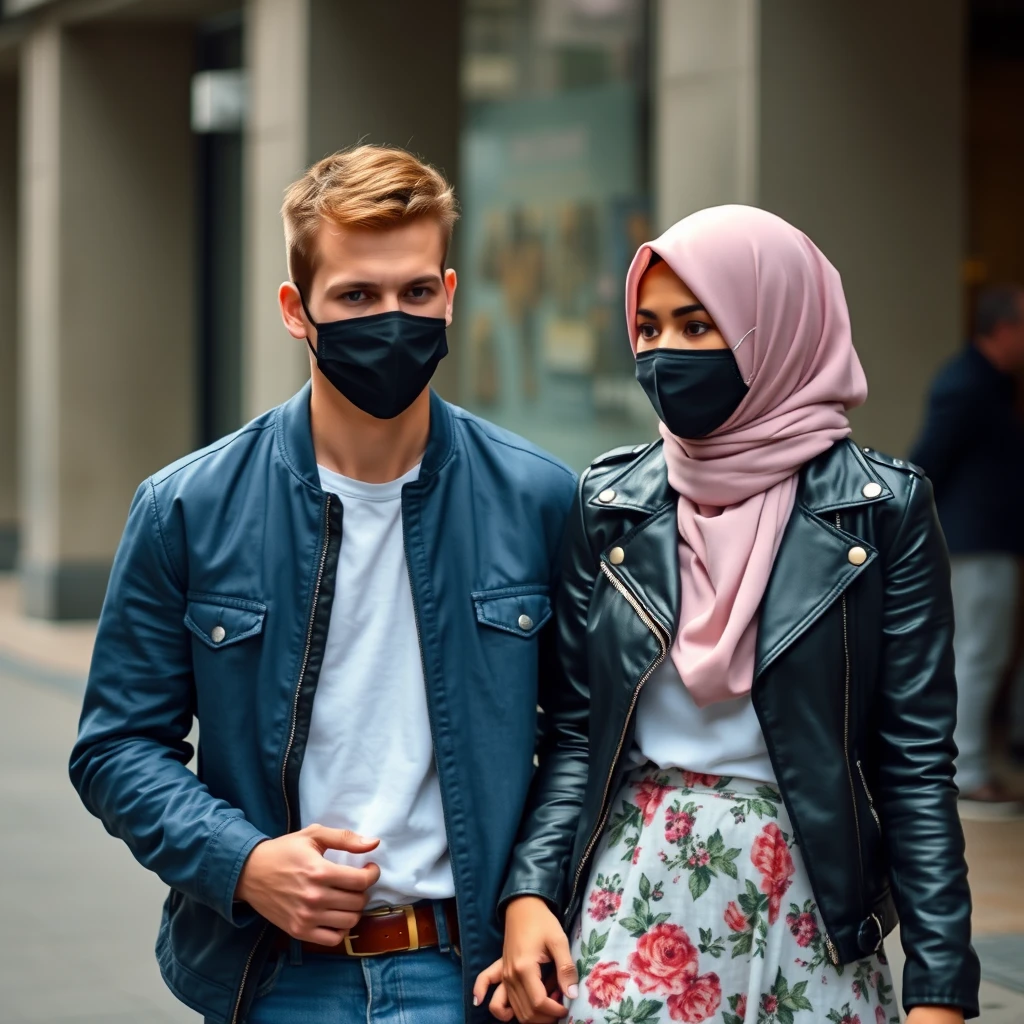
(389, 930)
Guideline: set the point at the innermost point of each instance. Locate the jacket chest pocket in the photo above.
(517, 611)
(227, 628)
(509, 621)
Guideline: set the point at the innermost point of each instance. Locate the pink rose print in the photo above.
(769, 1004)
(736, 921)
(678, 825)
(850, 1018)
(636, 854)
(741, 1007)
(771, 856)
(649, 795)
(604, 902)
(879, 1015)
(691, 779)
(803, 927)
(857, 990)
(699, 1001)
(606, 985)
(665, 960)
(703, 857)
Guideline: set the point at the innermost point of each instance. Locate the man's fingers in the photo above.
(499, 1005)
(528, 995)
(326, 936)
(340, 839)
(484, 980)
(341, 876)
(561, 954)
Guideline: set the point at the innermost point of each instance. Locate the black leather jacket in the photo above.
(854, 689)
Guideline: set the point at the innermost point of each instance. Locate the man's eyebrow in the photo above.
(425, 279)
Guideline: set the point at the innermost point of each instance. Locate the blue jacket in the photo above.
(241, 536)
(972, 448)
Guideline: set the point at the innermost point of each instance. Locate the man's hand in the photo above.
(290, 882)
(935, 1015)
(533, 937)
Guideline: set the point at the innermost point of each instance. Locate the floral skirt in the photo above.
(698, 908)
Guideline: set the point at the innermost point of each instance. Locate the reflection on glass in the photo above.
(554, 191)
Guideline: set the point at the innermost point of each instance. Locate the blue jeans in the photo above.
(421, 987)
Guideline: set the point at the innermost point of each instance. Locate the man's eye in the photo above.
(419, 292)
(357, 296)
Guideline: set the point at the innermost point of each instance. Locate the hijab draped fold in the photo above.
(779, 305)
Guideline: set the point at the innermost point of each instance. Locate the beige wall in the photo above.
(845, 118)
(8, 321)
(322, 79)
(861, 145)
(107, 290)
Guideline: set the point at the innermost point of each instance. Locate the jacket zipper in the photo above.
(430, 717)
(829, 945)
(663, 642)
(867, 793)
(291, 735)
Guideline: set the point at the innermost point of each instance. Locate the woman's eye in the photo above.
(695, 328)
(648, 332)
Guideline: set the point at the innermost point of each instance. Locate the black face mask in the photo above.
(380, 363)
(693, 391)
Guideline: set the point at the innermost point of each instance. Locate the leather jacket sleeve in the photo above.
(539, 865)
(129, 763)
(917, 799)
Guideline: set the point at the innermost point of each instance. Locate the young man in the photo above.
(352, 595)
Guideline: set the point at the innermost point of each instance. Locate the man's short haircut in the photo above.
(999, 304)
(376, 187)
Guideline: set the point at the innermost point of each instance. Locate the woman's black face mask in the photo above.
(693, 391)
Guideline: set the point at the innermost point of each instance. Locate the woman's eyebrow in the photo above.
(647, 313)
(696, 307)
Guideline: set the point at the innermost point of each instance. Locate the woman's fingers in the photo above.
(499, 1006)
(486, 979)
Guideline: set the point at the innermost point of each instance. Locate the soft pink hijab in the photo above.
(780, 306)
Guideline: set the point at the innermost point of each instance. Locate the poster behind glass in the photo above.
(555, 204)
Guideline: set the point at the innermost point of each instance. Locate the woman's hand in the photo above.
(935, 1015)
(533, 937)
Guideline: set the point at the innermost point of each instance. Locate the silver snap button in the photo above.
(217, 634)
(616, 556)
(872, 490)
(606, 496)
(857, 556)
(525, 622)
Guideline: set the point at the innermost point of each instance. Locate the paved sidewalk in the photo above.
(80, 916)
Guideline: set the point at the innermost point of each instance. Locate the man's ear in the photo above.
(451, 281)
(292, 312)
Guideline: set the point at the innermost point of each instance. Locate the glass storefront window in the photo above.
(554, 188)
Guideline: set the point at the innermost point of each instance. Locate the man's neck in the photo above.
(348, 441)
(993, 355)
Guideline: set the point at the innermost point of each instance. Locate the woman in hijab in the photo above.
(747, 773)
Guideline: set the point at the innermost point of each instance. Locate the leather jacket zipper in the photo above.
(291, 735)
(663, 642)
(829, 945)
(867, 793)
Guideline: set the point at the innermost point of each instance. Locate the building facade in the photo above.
(145, 146)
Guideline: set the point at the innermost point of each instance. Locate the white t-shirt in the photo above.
(721, 739)
(369, 762)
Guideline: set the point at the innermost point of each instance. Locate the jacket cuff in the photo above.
(519, 884)
(226, 854)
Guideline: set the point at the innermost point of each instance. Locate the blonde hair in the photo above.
(375, 187)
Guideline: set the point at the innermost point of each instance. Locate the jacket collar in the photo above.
(815, 562)
(295, 438)
(837, 479)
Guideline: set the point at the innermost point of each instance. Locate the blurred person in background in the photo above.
(352, 595)
(756, 628)
(972, 448)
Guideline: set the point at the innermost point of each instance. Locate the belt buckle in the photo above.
(411, 925)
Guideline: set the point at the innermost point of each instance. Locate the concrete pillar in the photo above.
(8, 322)
(106, 252)
(852, 133)
(862, 146)
(321, 80)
